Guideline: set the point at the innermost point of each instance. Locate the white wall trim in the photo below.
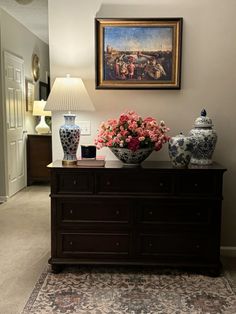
(228, 250)
(3, 199)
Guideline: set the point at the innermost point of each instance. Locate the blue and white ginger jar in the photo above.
(205, 137)
(180, 150)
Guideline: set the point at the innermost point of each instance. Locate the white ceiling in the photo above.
(33, 16)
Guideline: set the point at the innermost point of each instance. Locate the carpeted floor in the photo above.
(99, 290)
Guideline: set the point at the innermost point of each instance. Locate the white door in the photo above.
(15, 114)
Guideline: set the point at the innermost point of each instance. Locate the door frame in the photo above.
(6, 53)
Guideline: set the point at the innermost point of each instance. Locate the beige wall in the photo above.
(208, 74)
(17, 39)
(20, 41)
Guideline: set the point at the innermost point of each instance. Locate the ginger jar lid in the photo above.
(203, 121)
(179, 136)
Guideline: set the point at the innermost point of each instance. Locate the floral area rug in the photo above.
(97, 290)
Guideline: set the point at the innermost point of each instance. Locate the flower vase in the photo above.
(130, 157)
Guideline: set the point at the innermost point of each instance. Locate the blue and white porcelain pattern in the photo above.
(129, 157)
(180, 150)
(206, 138)
(70, 136)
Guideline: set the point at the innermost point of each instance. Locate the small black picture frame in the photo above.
(44, 90)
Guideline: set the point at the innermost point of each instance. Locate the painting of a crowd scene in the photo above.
(138, 53)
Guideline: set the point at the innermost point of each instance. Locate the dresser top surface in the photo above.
(161, 165)
(40, 135)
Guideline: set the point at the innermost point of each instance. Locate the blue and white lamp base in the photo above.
(70, 136)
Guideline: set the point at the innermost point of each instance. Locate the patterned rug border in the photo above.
(229, 278)
(36, 290)
(39, 283)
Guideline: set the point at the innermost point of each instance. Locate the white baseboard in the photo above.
(228, 251)
(3, 199)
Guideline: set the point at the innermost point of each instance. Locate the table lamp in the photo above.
(69, 94)
(38, 110)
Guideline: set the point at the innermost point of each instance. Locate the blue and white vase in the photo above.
(70, 136)
(129, 157)
(205, 137)
(180, 150)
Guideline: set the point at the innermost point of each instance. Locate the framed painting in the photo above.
(43, 90)
(138, 53)
(29, 92)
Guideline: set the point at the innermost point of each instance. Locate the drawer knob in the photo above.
(108, 183)
(198, 246)
(150, 244)
(117, 212)
(198, 214)
(71, 211)
(150, 212)
(117, 243)
(71, 242)
(74, 182)
(161, 184)
(195, 185)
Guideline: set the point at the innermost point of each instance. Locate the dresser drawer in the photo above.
(153, 214)
(137, 183)
(95, 211)
(176, 244)
(70, 183)
(197, 184)
(176, 212)
(94, 244)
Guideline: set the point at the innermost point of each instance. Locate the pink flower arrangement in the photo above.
(133, 132)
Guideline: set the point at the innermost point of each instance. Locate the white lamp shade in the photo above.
(38, 108)
(69, 94)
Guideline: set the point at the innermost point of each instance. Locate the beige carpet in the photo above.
(24, 245)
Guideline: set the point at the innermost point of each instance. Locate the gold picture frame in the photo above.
(30, 93)
(138, 53)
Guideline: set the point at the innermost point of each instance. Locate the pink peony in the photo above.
(133, 132)
(133, 144)
(123, 118)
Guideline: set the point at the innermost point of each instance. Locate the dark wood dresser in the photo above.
(148, 215)
(39, 155)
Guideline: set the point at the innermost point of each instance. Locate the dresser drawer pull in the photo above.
(74, 182)
(108, 183)
(161, 184)
(71, 211)
(195, 185)
(71, 243)
(198, 214)
(117, 212)
(117, 243)
(150, 244)
(198, 246)
(150, 212)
